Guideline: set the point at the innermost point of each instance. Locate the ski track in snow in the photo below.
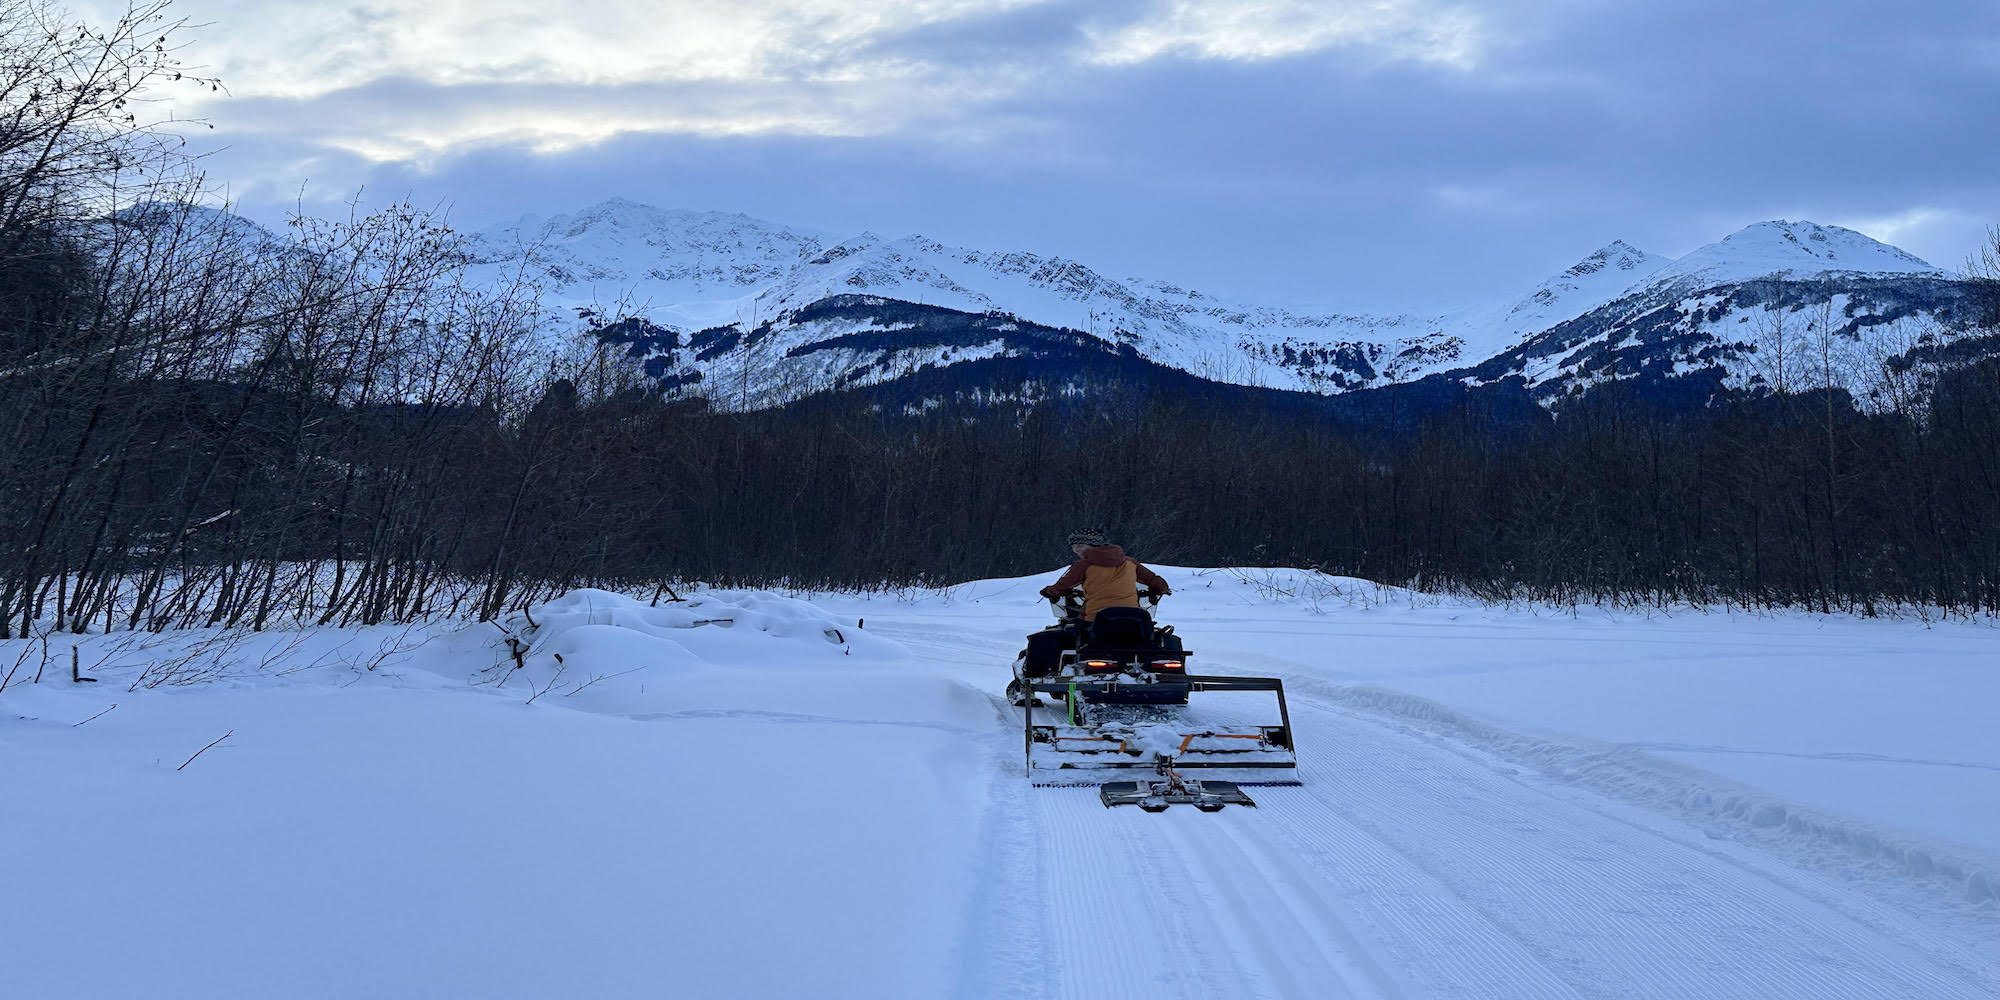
(1825, 755)
(1408, 865)
(1612, 906)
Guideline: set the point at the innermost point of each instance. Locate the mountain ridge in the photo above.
(799, 300)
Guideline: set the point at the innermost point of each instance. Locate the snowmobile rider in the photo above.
(1109, 577)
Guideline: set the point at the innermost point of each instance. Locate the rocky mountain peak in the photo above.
(1615, 255)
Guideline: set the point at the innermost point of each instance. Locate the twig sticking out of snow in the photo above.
(27, 648)
(199, 752)
(601, 677)
(114, 704)
(204, 659)
(561, 668)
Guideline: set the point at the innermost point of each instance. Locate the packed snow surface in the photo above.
(755, 794)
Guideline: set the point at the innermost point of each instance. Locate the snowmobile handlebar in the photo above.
(1069, 603)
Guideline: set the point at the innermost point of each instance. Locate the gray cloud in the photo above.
(1354, 171)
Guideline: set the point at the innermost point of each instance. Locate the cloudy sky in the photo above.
(1365, 153)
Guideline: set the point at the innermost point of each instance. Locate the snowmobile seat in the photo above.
(1122, 628)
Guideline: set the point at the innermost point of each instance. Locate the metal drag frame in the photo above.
(1279, 735)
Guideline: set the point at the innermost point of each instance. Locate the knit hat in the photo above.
(1088, 536)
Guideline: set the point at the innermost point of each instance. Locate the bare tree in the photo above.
(1775, 349)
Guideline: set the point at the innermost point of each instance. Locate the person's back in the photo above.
(1109, 577)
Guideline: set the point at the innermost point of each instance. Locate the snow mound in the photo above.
(604, 651)
(746, 618)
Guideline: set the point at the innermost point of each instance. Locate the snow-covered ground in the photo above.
(758, 795)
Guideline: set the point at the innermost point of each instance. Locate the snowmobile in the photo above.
(1122, 692)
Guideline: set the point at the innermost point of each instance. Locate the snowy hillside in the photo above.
(1703, 322)
(693, 269)
(1800, 249)
(787, 296)
(1589, 283)
(758, 795)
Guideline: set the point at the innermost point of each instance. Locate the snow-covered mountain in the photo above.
(1795, 248)
(779, 311)
(692, 271)
(681, 268)
(1738, 312)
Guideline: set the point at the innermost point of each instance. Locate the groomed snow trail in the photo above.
(1407, 865)
(1600, 897)
(754, 795)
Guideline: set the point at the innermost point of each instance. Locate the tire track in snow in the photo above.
(1816, 856)
(1613, 907)
(1909, 876)
(1874, 758)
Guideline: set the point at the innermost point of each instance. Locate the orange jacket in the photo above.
(1110, 579)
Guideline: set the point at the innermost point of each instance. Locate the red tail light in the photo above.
(1166, 665)
(1099, 665)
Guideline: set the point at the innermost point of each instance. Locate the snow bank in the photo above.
(601, 651)
(741, 621)
(737, 795)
